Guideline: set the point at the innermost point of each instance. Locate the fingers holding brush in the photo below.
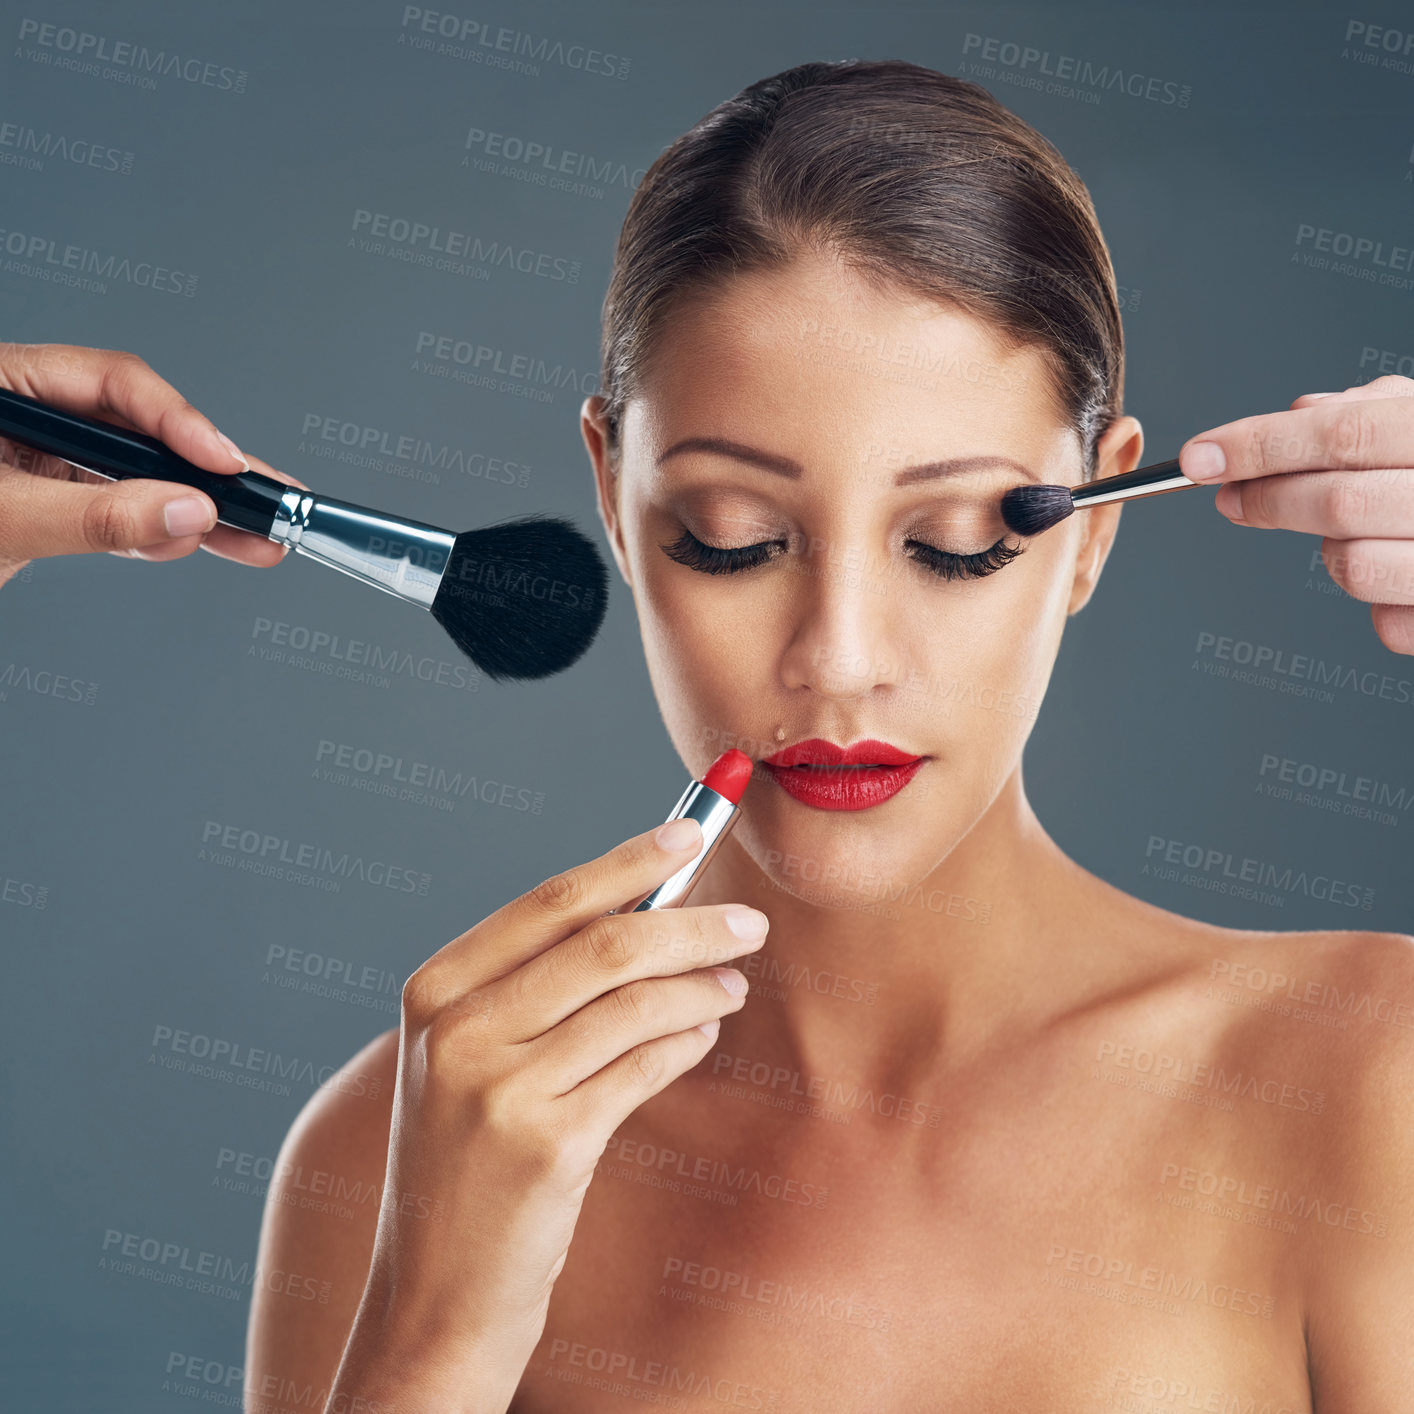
(1337, 465)
(50, 507)
(241, 545)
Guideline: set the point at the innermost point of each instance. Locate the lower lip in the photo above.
(843, 787)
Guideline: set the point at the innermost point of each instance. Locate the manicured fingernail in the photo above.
(1229, 501)
(1203, 461)
(1318, 395)
(188, 515)
(234, 450)
(732, 980)
(746, 922)
(710, 1028)
(679, 835)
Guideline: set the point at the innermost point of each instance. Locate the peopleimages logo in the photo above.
(1369, 258)
(1297, 673)
(546, 158)
(384, 773)
(257, 852)
(40, 255)
(25, 146)
(1233, 873)
(250, 1067)
(1328, 788)
(1210, 1075)
(402, 454)
(1064, 69)
(1380, 46)
(45, 683)
(23, 894)
(1272, 1198)
(464, 38)
(423, 239)
(319, 651)
(67, 48)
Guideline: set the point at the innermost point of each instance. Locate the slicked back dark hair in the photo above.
(916, 179)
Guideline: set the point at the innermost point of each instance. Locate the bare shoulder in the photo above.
(1318, 1025)
(1353, 996)
(321, 1216)
(1321, 1020)
(1347, 995)
(1354, 992)
(1330, 1011)
(345, 1123)
(1338, 1003)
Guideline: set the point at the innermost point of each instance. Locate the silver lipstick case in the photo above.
(716, 814)
(402, 557)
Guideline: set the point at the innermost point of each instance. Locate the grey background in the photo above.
(105, 802)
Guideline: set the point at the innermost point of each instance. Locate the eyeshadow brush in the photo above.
(522, 599)
(1028, 510)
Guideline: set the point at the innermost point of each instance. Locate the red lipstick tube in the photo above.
(712, 802)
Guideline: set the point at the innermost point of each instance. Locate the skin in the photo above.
(1001, 1016)
(1338, 465)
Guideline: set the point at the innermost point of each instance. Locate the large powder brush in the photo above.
(522, 599)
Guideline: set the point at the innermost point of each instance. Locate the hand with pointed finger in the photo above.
(1337, 465)
(49, 507)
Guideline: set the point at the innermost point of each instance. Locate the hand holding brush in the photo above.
(522, 599)
(1337, 465)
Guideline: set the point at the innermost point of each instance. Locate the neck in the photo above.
(896, 993)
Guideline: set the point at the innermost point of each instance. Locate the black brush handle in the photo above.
(1131, 485)
(246, 500)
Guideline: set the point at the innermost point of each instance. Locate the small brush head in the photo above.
(1028, 510)
(523, 599)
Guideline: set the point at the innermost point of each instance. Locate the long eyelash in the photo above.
(975, 566)
(688, 550)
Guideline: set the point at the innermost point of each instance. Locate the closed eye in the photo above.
(688, 550)
(949, 565)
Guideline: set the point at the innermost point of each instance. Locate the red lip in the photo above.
(866, 773)
(815, 752)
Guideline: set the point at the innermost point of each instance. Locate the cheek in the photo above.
(698, 618)
(987, 653)
(998, 632)
(703, 644)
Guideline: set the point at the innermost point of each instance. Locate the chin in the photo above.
(867, 860)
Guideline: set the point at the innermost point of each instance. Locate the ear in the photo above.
(595, 432)
(1118, 451)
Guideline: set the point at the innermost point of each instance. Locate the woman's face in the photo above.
(781, 411)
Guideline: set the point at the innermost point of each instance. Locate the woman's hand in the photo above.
(1338, 465)
(525, 1044)
(48, 507)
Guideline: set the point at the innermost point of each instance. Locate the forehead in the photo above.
(818, 355)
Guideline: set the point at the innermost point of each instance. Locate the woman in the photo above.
(991, 1134)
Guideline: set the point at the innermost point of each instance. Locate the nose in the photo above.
(845, 622)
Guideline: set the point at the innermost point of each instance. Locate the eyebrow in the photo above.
(784, 466)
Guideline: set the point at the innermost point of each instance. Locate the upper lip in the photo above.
(815, 752)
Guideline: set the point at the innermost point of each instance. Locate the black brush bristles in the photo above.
(523, 599)
(1028, 510)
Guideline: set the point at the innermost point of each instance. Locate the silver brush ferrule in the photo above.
(1130, 486)
(716, 814)
(403, 557)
